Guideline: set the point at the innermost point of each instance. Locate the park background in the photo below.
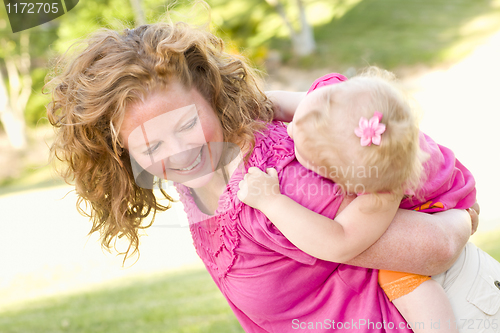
(54, 278)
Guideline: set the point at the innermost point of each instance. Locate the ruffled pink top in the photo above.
(271, 285)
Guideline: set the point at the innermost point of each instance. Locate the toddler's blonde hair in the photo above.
(328, 135)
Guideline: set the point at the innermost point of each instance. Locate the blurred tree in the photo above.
(16, 62)
(303, 42)
(252, 25)
(21, 55)
(138, 12)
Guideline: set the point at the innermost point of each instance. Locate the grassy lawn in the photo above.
(180, 302)
(394, 34)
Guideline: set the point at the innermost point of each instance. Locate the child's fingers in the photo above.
(475, 206)
(243, 191)
(474, 219)
(272, 172)
(253, 169)
(255, 172)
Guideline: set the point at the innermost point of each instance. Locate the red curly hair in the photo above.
(92, 88)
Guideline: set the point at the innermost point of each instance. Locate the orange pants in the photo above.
(397, 284)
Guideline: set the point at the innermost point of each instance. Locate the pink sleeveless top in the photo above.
(270, 284)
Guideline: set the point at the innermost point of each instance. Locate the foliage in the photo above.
(349, 33)
(89, 16)
(249, 25)
(41, 38)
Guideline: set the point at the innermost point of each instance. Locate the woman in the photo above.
(167, 100)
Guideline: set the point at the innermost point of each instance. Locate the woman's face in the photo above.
(174, 134)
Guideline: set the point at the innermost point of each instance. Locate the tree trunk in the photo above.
(303, 42)
(13, 124)
(138, 12)
(13, 101)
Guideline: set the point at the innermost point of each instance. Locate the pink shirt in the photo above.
(448, 184)
(270, 284)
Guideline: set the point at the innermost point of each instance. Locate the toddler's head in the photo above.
(324, 127)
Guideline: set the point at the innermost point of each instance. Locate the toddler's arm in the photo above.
(355, 229)
(285, 103)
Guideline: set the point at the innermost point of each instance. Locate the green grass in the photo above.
(180, 302)
(394, 33)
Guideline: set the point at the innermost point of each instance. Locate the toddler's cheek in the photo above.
(289, 130)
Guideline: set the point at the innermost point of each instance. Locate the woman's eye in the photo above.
(151, 150)
(191, 124)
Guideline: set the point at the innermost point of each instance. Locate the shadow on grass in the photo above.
(186, 301)
(392, 33)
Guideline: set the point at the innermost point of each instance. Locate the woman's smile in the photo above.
(192, 165)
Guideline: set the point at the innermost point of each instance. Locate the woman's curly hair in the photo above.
(92, 88)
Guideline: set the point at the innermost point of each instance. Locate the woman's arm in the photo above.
(415, 242)
(285, 103)
(420, 243)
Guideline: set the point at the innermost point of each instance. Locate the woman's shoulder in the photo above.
(273, 147)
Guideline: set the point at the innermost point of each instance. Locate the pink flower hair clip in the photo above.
(370, 131)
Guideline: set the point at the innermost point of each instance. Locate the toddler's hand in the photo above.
(258, 189)
(474, 216)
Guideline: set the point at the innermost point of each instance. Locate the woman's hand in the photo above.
(259, 189)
